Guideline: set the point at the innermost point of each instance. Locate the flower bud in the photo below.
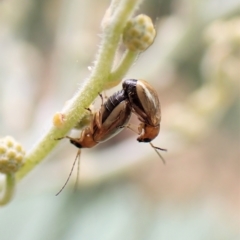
(11, 155)
(139, 33)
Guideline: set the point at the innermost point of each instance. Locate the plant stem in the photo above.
(7, 192)
(126, 62)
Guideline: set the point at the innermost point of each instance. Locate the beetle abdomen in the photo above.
(112, 102)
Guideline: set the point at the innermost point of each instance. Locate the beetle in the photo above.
(104, 124)
(145, 104)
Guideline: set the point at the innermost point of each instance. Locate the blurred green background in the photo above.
(125, 192)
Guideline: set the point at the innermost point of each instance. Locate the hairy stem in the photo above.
(126, 62)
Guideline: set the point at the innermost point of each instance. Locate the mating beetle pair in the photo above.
(137, 96)
(105, 123)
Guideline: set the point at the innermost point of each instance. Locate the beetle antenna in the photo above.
(158, 148)
(78, 170)
(77, 158)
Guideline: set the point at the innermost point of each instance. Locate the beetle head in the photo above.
(76, 143)
(86, 141)
(149, 133)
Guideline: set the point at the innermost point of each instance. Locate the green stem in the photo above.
(117, 74)
(93, 85)
(8, 190)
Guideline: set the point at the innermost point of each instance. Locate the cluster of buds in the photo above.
(11, 155)
(139, 33)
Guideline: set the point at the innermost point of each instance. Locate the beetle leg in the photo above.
(89, 109)
(90, 128)
(101, 96)
(131, 127)
(105, 95)
(141, 126)
(98, 115)
(83, 134)
(98, 119)
(91, 124)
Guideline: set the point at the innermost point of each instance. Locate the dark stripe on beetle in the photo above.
(112, 102)
(130, 87)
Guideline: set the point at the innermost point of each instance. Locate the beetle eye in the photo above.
(144, 139)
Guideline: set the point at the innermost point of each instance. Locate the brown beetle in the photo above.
(105, 124)
(145, 104)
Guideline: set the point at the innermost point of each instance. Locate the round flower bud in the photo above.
(139, 33)
(11, 155)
